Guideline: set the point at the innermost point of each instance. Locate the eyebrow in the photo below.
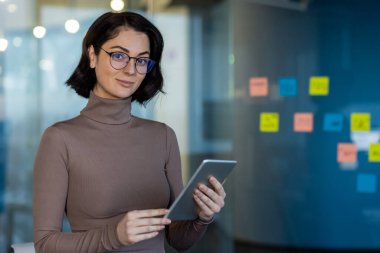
(126, 50)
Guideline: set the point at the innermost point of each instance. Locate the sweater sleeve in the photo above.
(51, 179)
(181, 235)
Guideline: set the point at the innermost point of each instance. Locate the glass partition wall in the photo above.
(33, 96)
(307, 119)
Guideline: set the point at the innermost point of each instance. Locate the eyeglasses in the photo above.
(120, 60)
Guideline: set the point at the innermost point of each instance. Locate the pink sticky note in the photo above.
(303, 122)
(258, 87)
(347, 152)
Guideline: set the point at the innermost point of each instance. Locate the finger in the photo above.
(211, 194)
(208, 191)
(151, 221)
(137, 214)
(213, 206)
(142, 237)
(204, 208)
(146, 229)
(218, 187)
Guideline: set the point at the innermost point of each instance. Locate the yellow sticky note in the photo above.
(374, 152)
(360, 122)
(269, 122)
(319, 85)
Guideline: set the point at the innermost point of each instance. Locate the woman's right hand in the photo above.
(141, 225)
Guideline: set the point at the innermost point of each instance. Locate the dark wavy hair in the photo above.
(107, 27)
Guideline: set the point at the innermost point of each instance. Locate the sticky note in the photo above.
(303, 122)
(366, 183)
(287, 86)
(347, 152)
(319, 86)
(374, 152)
(360, 122)
(333, 122)
(269, 122)
(258, 87)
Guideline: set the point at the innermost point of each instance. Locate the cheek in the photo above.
(103, 73)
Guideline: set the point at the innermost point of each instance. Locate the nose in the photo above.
(130, 68)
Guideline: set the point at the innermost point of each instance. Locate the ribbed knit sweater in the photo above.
(97, 167)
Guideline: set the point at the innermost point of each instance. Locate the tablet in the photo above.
(183, 208)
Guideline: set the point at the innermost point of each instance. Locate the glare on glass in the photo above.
(120, 60)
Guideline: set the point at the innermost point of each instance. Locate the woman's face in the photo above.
(119, 84)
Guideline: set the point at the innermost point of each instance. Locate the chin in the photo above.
(120, 93)
(123, 95)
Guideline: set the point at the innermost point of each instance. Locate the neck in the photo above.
(108, 111)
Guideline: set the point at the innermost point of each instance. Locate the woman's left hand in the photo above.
(209, 200)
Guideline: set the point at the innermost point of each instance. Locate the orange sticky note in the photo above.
(258, 87)
(303, 122)
(347, 152)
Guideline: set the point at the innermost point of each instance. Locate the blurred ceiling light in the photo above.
(46, 64)
(72, 26)
(117, 5)
(3, 44)
(17, 41)
(12, 8)
(39, 32)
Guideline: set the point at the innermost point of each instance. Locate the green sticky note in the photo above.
(269, 122)
(319, 86)
(360, 122)
(374, 152)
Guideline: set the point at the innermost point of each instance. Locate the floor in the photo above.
(243, 247)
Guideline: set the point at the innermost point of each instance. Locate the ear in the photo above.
(92, 56)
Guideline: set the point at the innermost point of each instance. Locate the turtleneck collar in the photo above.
(108, 111)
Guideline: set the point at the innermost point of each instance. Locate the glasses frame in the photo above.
(150, 66)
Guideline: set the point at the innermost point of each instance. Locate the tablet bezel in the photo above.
(184, 207)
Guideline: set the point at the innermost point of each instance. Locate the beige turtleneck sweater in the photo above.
(96, 168)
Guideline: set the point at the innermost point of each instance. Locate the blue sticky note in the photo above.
(287, 86)
(333, 122)
(366, 183)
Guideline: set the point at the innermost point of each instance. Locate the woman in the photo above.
(113, 174)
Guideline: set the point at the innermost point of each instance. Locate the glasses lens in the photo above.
(144, 65)
(150, 65)
(119, 60)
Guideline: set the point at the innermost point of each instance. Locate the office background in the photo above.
(289, 88)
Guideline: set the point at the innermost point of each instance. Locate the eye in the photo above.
(142, 61)
(118, 56)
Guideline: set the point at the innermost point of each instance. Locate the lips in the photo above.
(125, 83)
